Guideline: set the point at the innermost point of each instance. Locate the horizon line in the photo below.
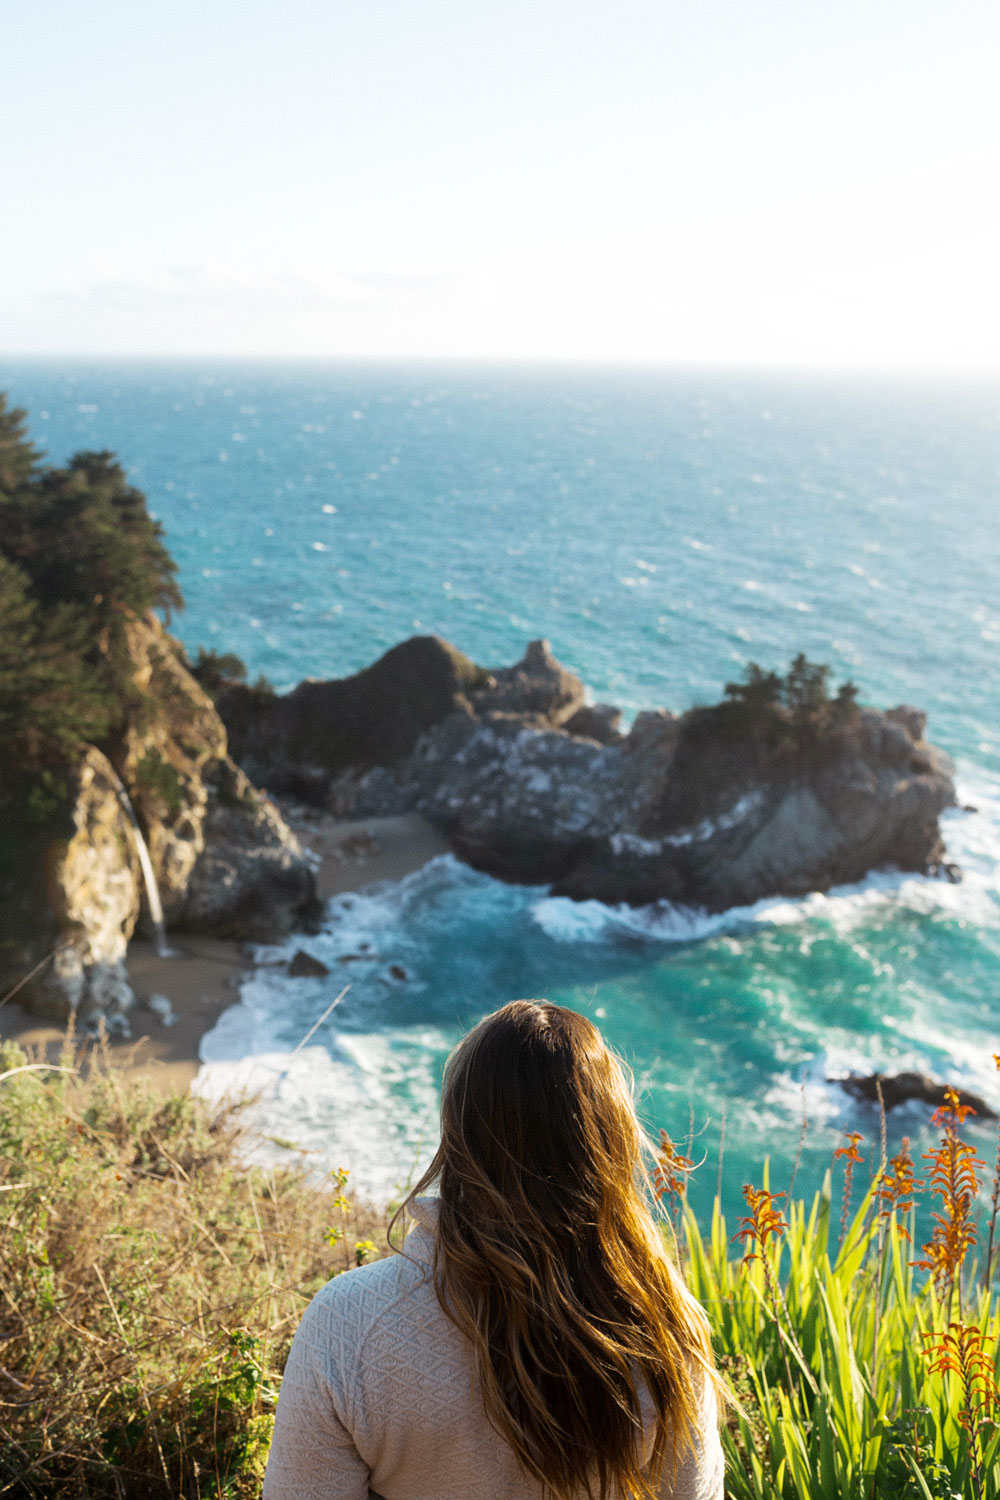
(560, 361)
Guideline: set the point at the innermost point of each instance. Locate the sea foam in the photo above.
(363, 1093)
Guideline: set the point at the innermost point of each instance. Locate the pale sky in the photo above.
(748, 181)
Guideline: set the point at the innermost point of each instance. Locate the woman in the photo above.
(532, 1338)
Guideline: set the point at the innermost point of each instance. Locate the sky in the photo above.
(730, 181)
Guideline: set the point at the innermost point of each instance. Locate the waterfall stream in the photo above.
(160, 945)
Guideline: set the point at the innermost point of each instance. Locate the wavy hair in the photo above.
(549, 1260)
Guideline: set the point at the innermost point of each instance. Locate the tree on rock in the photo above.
(80, 556)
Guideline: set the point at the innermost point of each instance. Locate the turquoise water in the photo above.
(660, 528)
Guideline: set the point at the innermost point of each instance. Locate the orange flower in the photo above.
(897, 1186)
(764, 1221)
(852, 1158)
(851, 1151)
(960, 1352)
(953, 1178)
(672, 1169)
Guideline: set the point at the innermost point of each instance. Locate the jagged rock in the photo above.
(72, 892)
(251, 881)
(537, 685)
(163, 758)
(305, 742)
(304, 966)
(900, 1088)
(596, 721)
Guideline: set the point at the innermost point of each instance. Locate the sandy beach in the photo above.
(202, 976)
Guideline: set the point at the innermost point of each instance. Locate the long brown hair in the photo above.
(549, 1260)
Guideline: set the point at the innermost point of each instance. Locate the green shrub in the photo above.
(150, 1284)
(156, 775)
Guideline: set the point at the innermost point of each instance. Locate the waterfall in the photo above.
(160, 945)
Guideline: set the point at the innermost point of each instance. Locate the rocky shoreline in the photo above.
(512, 769)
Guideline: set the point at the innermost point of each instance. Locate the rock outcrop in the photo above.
(717, 808)
(77, 895)
(296, 743)
(71, 887)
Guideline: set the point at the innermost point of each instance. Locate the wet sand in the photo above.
(202, 976)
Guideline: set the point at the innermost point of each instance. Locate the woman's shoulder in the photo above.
(354, 1301)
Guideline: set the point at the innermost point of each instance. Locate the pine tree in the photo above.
(80, 556)
(805, 688)
(87, 538)
(51, 700)
(759, 690)
(18, 459)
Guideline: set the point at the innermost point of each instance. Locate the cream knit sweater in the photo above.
(380, 1397)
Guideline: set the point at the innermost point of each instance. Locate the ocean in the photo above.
(661, 528)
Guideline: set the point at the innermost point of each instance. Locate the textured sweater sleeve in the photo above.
(700, 1475)
(313, 1456)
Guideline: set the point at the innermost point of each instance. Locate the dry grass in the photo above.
(150, 1284)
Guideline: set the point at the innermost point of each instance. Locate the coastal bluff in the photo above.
(777, 790)
(72, 887)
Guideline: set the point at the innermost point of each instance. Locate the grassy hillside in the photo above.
(150, 1285)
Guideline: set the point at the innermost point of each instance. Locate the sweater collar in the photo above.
(419, 1243)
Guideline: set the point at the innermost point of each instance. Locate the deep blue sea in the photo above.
(661, 528)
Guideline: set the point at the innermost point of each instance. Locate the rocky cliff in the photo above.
(716, 808)
(70, 877)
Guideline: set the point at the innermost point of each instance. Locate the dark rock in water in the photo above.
(717, 808)
(304, 966)
(900, 1088)
(398, 972)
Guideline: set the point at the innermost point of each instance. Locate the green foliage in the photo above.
(84, 536)
(48, 795)
(150, 1284)
(217, 669)
(80, 556)
(17, 456)
(791, 713)
(156, 775)
(838, 1400)
(802, 693)
(52, 697)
